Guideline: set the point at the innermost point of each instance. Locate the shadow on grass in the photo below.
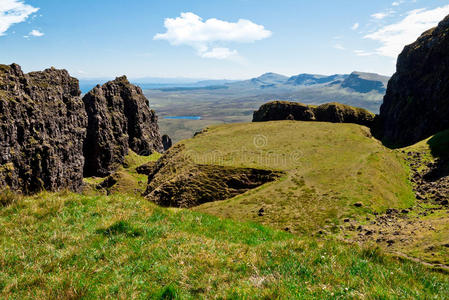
(439, 147)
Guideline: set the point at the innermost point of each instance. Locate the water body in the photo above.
(183, 117)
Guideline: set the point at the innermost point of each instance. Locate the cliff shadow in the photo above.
(439, 147)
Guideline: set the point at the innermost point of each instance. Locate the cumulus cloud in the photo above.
(13, 12)
(395, 36)
(190, 29)
(36, 33)
(355, 26)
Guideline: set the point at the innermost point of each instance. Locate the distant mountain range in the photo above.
(359, 82)
(356, 81)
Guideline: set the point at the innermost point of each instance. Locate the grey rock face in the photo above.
(119, 118)
(42, 128)
(166, 142)
(416, 104)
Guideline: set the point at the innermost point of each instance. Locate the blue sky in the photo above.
(205, 39)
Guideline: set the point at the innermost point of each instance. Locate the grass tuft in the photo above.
(120, 227)
(8, 197)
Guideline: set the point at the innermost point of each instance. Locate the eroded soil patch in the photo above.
(178, 182)
(421, 231)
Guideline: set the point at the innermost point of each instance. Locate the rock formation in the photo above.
(281, 110)
(330, 112)
(42, 128)
(340, 113)
(166, 142)
(416, 104)
(119, 118)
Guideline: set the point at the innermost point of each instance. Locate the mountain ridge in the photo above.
(356, 81)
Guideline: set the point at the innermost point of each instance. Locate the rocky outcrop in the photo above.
(176, 181)
(166, 142)
(416, 104)
(340, 113)
(329, 112)
(42, 129)
(119, 118)
(283, 110)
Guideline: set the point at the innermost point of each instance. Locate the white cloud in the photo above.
(397, 3)
(339, 47)
(363, 53)
(379, 16)
(355, 26)
(395, 36)
(190, 29)
(219, 53)
(36, 33)
(13, 12)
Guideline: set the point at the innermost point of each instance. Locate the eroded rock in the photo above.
(166, 142)
(330, 112)
(416, 104)
(42, 128)
(119, 118)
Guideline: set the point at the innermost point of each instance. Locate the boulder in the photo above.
(42, 129)
(416, 104)
(119, 118)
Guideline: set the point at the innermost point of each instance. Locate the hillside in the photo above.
(328, 168)
(66, 245)
(70, 246)
(337, 181)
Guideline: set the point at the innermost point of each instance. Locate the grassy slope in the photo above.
(128, 180)
(70, 246)
(329, 167)
(428, 243)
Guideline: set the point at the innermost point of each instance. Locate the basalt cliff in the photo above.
(119, 118)
(50, 137)
(42, 129)
(416, 104)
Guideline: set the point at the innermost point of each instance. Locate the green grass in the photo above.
(70, 246)
(429, 240)
(128, 180)
(329, 167)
